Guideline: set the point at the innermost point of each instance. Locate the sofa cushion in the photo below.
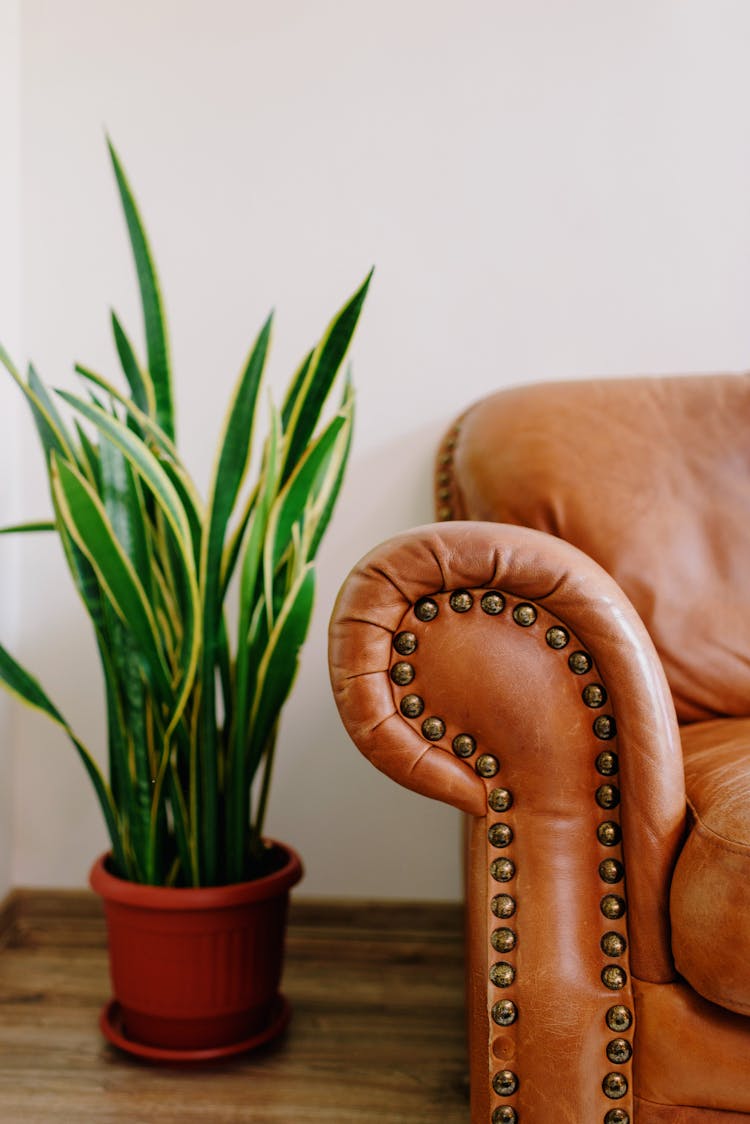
(710, 899)
(651, 478)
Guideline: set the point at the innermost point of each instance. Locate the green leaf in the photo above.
(232, 549)
(295, 387)
(10, 367)
(133, 740)
(289, 508)
(234, 453)
(141, 386)
(237, 783)
(87, 524)
(145, 423)
(18, 681)
(331, 485)
(166, 455)
(144, 463)
(89, 457)
(27, 528)
(257, 528)
(188, 859)
(39, 390)
(84, 578)
(232, 462)
(125, 508)
(275, 675)
(52, 439)
(157, 344)
(309, 396)
(191, 503)
(278, 666)
(119, 777)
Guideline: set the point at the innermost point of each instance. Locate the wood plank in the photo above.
(377, 1034)
(8, 914)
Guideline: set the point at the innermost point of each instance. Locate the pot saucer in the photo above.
(110, 1024)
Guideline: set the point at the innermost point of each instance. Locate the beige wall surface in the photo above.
(10, 336)
(547, 190)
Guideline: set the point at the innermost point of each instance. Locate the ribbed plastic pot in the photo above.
(196, 969)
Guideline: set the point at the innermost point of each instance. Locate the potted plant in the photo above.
(195, 895)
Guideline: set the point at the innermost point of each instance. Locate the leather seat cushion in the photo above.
(710, 898)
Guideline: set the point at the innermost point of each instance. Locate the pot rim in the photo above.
(186, 898)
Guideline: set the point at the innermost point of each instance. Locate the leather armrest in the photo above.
(500, 685)
(501, 670)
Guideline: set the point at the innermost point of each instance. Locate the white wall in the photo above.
(10, 335)
(546, 189)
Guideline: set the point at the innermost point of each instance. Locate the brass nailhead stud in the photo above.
(444, 460)
(613, 944)
(412, 706)
(405, 643)
(614, 977)
(615, 1085)
(505, 1083)
(579, 662)
(594, 695)
(502, 974)
(604, 727)
(502, 870)
(450, 442)
(619, 1051)
(500, 834)
(445, 513)
(503, 940)
(503, 906)
(557, 637)
(493, 603)
(610, 870)
(524, 614)
(617, 1116)
(504, 1114)
(607, 763)
(613, 907)
(402, 673)
(504, 1012)
(444, 494)
(433, 728)
(609, 833)
(487, 765)
(500, 799)
(426, 609)
(608, 796)
(461, 601)
(464, 745)
(619, 1018)
(443, 478)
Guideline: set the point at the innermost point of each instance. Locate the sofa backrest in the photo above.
(651, 478)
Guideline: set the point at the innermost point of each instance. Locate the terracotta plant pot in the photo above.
(196, 972)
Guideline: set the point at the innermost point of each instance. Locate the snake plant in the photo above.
(192, 700)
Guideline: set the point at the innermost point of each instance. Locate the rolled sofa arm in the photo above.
(501, 670)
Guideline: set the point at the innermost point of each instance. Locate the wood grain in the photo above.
(377, 1034)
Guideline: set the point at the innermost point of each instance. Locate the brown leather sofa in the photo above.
(567, 659)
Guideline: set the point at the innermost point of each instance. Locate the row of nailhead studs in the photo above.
(619, 1018)
(402, 673)
(503, 939)
(502, 973)
(613, 944)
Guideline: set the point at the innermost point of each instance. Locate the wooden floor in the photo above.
(376, 1035)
